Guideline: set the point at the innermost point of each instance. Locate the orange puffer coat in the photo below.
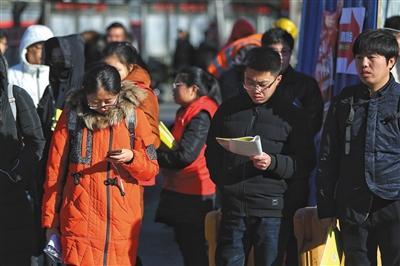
(98, 224)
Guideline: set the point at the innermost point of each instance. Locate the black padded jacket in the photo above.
(247, 191)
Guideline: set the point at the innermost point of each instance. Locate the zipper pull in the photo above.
(77, 177)
(115, 182)
(121, 187)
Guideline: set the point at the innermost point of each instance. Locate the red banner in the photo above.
(351, 25)
(324, 70)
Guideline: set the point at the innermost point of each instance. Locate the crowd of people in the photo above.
(80, 140)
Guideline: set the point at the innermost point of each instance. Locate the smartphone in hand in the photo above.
(113, 153)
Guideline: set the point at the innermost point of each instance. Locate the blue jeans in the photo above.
(238, 234)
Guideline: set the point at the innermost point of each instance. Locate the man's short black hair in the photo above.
(263, 59)
(393, 23)
(117, 25)
(380, 42)
(277, 35)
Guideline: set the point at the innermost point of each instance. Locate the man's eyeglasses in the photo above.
(103, 105)
(261, 86)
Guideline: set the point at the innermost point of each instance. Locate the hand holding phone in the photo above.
(113, 153)
(120, 156)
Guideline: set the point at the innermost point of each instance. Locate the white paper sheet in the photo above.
(246, 146)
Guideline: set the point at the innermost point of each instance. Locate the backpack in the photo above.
(73, 121)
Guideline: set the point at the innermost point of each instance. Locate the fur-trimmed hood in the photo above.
(129, 98)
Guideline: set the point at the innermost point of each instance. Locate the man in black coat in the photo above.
(184, 54)
(296, 87)
(303, 92)
(22, 143)
(252, 188)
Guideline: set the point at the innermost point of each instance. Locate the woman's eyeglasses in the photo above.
(103, 105)
(175, 85)
(252, 85)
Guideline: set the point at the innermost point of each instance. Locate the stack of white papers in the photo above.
(246, 146)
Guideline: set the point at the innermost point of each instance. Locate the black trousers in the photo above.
(382, 228)
(192, 244)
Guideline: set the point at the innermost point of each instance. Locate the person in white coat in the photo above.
(30, 74)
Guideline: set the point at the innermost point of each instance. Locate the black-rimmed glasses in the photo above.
(252, 85)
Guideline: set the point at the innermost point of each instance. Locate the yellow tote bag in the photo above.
(55, 118)
(332, 255)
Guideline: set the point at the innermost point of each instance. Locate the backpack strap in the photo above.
(349, 122)
(131, 123)
(130, 120)
(11, 100)
(72, 121)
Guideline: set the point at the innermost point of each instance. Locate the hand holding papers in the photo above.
(246, 146)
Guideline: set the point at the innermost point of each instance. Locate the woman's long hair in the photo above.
(207, 84)
(126, 53)
(102, 76)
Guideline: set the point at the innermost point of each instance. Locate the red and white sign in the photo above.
(324, 70)
(351, 25)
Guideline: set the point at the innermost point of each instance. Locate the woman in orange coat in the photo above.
(125, 58)
(101, 152)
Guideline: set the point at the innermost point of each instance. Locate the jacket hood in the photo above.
(33, 34)
(242, 28)
(129, 99)
(66, 58)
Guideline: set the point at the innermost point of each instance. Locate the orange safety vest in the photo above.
(225, 58)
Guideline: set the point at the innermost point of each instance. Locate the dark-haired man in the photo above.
(252, 187)
(301, 90)
(359, 171)
(303, 93)
(116, 32)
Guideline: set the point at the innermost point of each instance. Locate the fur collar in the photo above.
(129, 99)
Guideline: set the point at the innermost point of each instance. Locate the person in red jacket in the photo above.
(188, 192)
(126, 59)
(100, 154)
